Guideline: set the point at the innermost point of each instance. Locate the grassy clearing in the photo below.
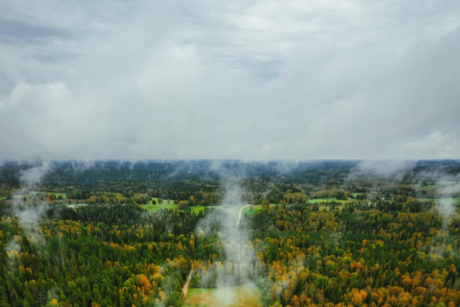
(154, 208)
(198, 209)
(63, 195)
(247, 295)
(255, 209)
(323, 200)
(165, 202)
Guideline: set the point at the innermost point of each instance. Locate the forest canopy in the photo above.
(320, 237)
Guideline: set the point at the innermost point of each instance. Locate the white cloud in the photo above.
(246, 79)
(444, 145)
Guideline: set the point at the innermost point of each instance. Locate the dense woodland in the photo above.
(367, 240)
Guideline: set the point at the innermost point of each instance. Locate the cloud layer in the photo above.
(244, 79)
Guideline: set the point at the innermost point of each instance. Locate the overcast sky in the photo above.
(229, 79)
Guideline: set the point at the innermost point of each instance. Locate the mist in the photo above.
(388, 169)
(240, 265)
(32, 210)
(447, 188)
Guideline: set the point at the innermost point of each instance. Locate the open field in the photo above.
(198, 209)
(323, 200)
(154, 208)
(247, 295)
(63, 195)
(254, 209)
(171, 202)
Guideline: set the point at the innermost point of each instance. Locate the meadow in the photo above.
(324, 200)
(155, 207)
(246, 295)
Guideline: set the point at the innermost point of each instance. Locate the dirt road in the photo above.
(187, 283)
(239, 215)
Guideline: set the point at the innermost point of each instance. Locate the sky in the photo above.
(257, 80)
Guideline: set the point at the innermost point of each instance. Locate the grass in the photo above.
(323, 200)
(233, 210)
(255, 209)
(171, 202)
(154, 208)
(198, 209)
(2, 197)
(247, 295)
(63, 195)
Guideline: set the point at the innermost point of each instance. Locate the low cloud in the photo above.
(32, 210)
(238, 266)
(34, 175)
(447, 187)
(394, 169)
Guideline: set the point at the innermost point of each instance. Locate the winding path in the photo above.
(239, 215)
(187, 283)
